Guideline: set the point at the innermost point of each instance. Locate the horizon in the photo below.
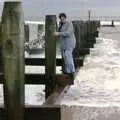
(73, 8)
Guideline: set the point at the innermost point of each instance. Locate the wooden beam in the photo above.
(38, 113)
(41, 61)
(32, 78)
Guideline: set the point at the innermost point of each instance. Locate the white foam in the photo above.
(35, 22)
(105, 22)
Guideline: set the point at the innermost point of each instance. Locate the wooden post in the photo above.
(50, 53)
(13, 58)
(85, 34)
(95, 30)
(89, 37)
(0, 50)
(26, 29)
(81, 25)
(112, 24)
(82, 49)
(89, 15)
(88, 28)
(98, 27)
(77, 36)
(0, 36)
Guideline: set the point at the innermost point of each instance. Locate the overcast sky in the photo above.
(74, 8)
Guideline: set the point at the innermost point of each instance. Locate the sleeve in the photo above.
(68, 31)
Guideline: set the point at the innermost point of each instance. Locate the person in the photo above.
(67, 39)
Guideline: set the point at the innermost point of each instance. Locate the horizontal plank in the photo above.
(38, 113)
(41, 61)
(35, 78)
(31, 78)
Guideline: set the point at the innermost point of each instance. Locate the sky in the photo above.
(36, 9)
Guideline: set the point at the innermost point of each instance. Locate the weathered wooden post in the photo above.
(112, 23)
(85, 35)
(89, 15)
(0, 50)
(77, 36)
(97, 25)
(0, 36)
(85, 43)
(50, 53)
(13, 58)
(94, 30)
(26, 29)
(82, 50)
(89, 37)
(79, 49)
(81, 25)
(76, 53)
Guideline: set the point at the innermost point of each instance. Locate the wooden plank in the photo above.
(38, 113)
(41, 61)
(13, 58)
(35, 79)
(32, 78)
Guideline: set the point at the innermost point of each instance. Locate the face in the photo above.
(63, 19)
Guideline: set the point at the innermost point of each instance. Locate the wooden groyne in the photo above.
(13, 76)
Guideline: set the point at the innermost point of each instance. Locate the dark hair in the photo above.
(62, 15)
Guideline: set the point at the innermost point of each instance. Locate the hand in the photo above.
(56, 33)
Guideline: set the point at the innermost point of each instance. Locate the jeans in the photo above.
(67, 56)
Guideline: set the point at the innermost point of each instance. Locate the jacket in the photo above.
(66, 36)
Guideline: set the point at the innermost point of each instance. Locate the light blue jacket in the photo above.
(66, 36)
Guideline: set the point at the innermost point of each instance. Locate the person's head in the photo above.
(62, 17)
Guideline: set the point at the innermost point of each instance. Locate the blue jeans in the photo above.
(68, 60)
